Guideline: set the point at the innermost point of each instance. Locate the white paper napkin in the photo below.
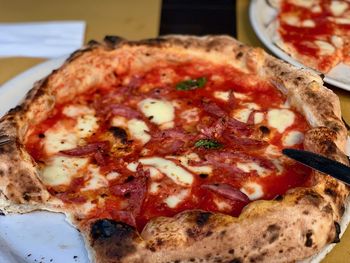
(41, 39)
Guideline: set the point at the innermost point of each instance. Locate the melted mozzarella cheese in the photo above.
(325, 47)
(119, 121)
(77, 110)
(173, 200)
(337, 41)
(112, 176)
(59, 138)
(132, 166)
(304, 3)
(258, 117)
(316, 9)
(308, 23)
(86, 125)
(159, 111)
(154, 173)
(138, 130)
(154, 188)
(280, 119)
(249, 167)
(291, 19)
(253, 190)
(240, 96)
(252, 106)
(338, 7)
(175, 172)
(95, 179)
(61, 170)
(292, 138)
(205, 169)
(242, 115)
(341, 20)
(222, 95)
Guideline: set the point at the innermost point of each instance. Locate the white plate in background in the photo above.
(261, 14)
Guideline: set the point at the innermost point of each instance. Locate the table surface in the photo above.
(132, 19)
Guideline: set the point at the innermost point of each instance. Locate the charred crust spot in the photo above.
(264, 130)
(41, 135)
(330, 192)
(15, 109)
(311, 197)
(80, 52)
(322, 75)
(308, 242)
(112, 239)
(190, 232)
(177, 261)
(159, 241)
(106, 228)
(337, 232)
(129, 179)
(26, 196)
(346, 124)
(152, 248)
(341, 210)
(119, 133)
(209, 233)
(305, 212)
(235, 260)
(92, 42)
(231, 251)
(113, 40)
(239, 55)
(192, 260)
(202, 218)
(272, 233)
(328, 209)
(150, 42)
(279, 198)
(203, 176)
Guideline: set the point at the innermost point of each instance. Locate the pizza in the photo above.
(169, 150)
(316, 33)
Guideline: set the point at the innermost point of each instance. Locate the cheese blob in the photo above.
(158, 111)
(59, 138)
(60, 170)
(253, 190)
(175, 172)
(280, 119)
(173, 200)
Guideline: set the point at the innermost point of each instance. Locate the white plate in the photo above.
(40, 236)
(261, 14)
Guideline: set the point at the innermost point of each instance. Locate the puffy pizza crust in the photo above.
(291, 227)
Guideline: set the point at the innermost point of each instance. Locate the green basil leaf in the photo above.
(208, 144)
(191, 84)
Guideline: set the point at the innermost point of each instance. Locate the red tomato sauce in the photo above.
(127, 197)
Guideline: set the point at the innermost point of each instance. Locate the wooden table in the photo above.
(132, 19)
